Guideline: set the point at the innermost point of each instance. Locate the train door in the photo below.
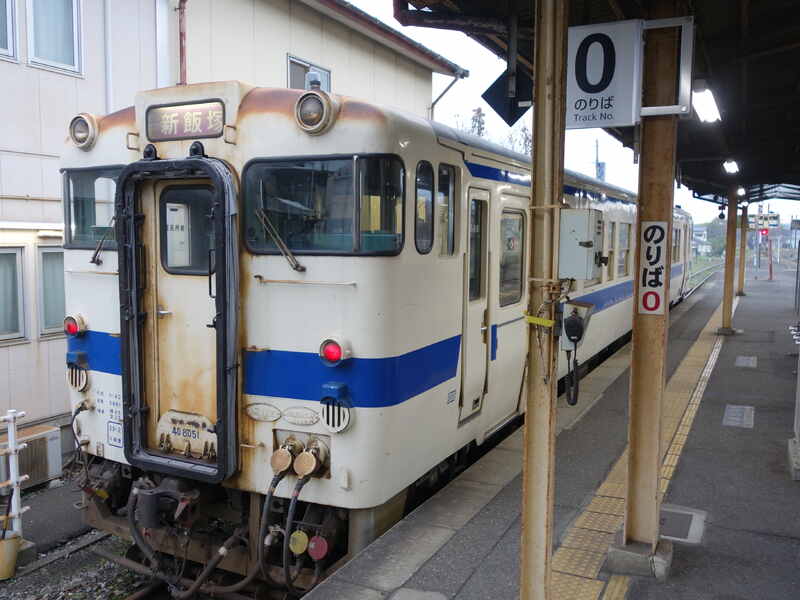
(178, 271)
(475, 338)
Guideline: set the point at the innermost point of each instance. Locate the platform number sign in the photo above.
(604, 74)
(653, 267)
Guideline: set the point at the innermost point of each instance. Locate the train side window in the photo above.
(624, 248)
(89, 207)
(475, 249)
(446, 204)
(423, 208)
(512, 244)
(597, 280)
(611, 246)
(676, 244)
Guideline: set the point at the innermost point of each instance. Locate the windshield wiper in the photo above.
(96, 260)
(270, 229)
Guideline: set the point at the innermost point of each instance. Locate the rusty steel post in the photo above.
(743, 231)
(182, 41)
(538, 490)
(648, 359)
(730, 263)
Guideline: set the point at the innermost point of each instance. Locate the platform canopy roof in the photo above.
(746, 51)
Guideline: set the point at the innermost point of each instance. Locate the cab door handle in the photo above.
(163, 313)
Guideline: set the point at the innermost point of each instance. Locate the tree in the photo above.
(478, 126)
(525, 139)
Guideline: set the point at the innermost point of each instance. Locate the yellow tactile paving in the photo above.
(587, 539)
(578, 562)
(570, 587)
(608, 505)
(609, 488)
(617, 587)
(598, 521)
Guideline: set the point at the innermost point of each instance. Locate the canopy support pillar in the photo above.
(743, 232)
(730, 263)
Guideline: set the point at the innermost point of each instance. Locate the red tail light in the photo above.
(331, 351)
(74, 325)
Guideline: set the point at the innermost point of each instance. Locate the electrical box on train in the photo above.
(580, 243)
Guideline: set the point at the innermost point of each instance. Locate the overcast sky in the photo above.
(485, 67)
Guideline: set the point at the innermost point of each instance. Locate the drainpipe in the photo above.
(456, 77)
(107, 50)
(182, 40)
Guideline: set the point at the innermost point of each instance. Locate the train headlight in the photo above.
(333, 352)
(314, 112)
(83, 131)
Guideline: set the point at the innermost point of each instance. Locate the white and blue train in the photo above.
(287, 308)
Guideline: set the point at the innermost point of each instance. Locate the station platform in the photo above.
(730, 468)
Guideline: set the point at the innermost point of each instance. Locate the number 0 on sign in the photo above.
(653, 256)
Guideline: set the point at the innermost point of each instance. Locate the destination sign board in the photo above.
(185, 121)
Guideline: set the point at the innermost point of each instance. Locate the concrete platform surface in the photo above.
(464, 542)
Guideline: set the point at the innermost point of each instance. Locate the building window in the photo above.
(611, 245)
(623, 249)
(11, 317)
(445, 199)
(423, 213)
(54, 33)
(7, 37)
(298, 69)
(512, 240)
(51, 261)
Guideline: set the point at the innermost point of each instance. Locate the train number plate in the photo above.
(188, 434)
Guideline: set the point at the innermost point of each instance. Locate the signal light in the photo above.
(74, 325)
(332, 352)
(765, 232)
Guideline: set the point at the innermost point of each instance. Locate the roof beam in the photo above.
(459, 22)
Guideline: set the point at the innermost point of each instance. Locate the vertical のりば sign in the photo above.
(653, 257)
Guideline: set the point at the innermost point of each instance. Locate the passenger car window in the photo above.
(623, 249)
(475, 249)
(611, 246)
(423, 210)
(445, 199)
(512, 245)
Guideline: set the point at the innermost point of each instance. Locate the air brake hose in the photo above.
(287, 571)
(262, 532)
(137, 536)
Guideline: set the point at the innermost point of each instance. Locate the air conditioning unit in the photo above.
(41, 460)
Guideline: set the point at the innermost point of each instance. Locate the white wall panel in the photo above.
(271, 41)
(21, 175)
(233, 43)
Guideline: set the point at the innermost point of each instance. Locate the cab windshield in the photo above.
(89, 203)
(326, 206)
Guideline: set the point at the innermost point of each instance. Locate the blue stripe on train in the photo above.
(102, 350)
(372, 382)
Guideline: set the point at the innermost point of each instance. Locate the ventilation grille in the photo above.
(335, 415)
(77, 378)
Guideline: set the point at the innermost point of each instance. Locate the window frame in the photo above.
(356, 201)
(483, 212)
(521, 213)
(448, 246)
(432, 240)
(77, 34)
(290, 58)
(10, 53)
(41, 250)
(162, 232)
(65, 200)
(611, 251)
(21, 333)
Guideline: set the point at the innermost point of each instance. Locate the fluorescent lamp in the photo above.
(705, 106)
(741, 191)
(730, 167)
